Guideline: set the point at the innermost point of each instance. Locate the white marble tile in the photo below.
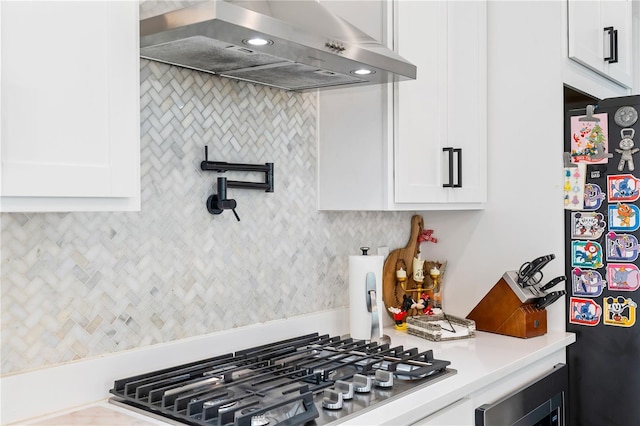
(172, 270)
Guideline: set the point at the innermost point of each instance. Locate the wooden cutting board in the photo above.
(392, 291)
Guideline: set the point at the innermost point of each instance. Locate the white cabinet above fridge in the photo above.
(601, 38)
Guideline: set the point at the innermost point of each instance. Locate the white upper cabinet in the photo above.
(417, 144)
(601, 37)
(440, 150)
(70, 106)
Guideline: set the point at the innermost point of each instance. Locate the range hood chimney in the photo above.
(288, 44)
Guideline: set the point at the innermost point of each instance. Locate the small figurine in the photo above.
(626, 149)
(398, 316)
(423, 304)
(407, 303)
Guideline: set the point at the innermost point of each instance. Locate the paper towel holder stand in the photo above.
(372, 306)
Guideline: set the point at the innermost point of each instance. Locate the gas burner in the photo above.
(309, 378)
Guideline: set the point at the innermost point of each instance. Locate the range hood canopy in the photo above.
(305, 46)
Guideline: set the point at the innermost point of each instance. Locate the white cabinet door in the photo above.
(420, 116)
(381, 147)
(593, 43)
(70, 106)
(441, 116)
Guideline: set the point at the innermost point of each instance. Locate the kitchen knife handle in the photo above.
(550, 298)
(530, 272)
(553, 283)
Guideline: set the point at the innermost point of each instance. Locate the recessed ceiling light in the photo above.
(363, 71)
(257, 41)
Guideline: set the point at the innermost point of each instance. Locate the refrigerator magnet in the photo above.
(587, 225)
(574, 187)
(623, 188)
(593, 196)
(589, 140)
(619, 311)
(623, 276)
(623, 217)
(586, 254)
(584, 311)
(586, 282)
(626, 150)
(621, 247)
(625, 116)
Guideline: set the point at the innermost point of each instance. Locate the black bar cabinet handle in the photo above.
(459, 152)
(450, 151)
(613, 45)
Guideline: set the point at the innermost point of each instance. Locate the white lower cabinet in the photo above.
(70, 106)
(418, 144)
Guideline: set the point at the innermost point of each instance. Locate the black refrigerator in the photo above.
(602, 230)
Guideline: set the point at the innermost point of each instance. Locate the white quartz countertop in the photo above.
(479, 362)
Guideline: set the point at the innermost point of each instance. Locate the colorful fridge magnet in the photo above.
(623, 276)
(619, 311)
(623, 188)
(574, 187)
(589, 140)
(584, 311)
(623, 217)
(593, 196)
(586, 254)
(586, 282)
(626, 149)
(587, 225)
(621, 247)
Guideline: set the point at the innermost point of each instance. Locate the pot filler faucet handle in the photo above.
(217, 203)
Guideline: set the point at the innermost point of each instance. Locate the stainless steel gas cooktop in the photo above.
(308, 380)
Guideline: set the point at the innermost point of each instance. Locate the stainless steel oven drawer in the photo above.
(541, 403)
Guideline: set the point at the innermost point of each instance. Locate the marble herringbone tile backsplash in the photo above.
(78, 285)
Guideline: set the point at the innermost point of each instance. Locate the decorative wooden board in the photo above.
(392, 291)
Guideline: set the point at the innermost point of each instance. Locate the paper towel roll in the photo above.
(360, 319)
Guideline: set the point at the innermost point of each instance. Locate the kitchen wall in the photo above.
(79, 285)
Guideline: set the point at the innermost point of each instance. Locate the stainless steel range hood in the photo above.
(307, 47)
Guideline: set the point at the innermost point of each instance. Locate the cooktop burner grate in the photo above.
(293, 382)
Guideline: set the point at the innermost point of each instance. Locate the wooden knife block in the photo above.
(502, 311)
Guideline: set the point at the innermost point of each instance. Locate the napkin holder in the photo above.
(509, 309)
